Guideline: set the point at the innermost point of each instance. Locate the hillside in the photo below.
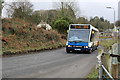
(19, 36)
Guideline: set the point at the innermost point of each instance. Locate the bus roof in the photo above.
(91, 27)
(80, 24)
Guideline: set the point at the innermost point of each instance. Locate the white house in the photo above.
(44, 25)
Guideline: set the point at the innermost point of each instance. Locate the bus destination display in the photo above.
(80, 26)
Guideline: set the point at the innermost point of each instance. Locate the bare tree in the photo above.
(20, 9)
(68, 8)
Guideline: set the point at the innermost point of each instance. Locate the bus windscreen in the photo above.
(79, 35)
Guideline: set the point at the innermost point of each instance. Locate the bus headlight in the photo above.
(69, 46)
(85, 46)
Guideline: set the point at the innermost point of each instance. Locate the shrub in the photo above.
(61, 26)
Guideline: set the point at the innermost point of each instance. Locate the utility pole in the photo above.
(0, 8)
(114, 17)
(1, 2)
(62, 9)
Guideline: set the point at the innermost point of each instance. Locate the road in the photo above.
(49, 64)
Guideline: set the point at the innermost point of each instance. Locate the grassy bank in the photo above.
(19, 36)
(108, 43)
(33, 49)
(93, 74)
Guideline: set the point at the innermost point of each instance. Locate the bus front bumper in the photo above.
(78, 49)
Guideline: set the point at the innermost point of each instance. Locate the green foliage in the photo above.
(108, 43)
(61, 26)
(100, 23)
(68, 14)
(65, 14)
(69, 20)
(35, 18)
(82, 20)
(117, 23)
(93, 74)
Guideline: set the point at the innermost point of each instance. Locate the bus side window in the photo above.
(92, 36)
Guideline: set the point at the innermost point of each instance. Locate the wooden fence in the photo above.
(109, 66)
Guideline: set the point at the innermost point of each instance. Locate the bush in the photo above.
(61, 26)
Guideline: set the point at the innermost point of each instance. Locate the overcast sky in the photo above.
(88, 8)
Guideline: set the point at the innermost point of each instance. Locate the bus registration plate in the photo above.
(78, 49)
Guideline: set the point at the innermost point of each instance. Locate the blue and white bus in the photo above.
(82, 37)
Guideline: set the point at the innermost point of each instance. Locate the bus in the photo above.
(82, 37)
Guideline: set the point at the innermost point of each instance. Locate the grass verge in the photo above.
(108, 43)
(37, 49)
(93, 73)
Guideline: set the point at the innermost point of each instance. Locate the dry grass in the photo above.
(21, 36)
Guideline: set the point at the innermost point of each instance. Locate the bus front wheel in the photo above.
(68, 51)
(90, 51)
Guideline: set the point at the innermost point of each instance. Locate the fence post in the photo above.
(115, 70)
(114, 61)
(100, 70)
(119, 70)
(100, 65)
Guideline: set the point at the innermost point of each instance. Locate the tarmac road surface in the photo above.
(49, 64)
